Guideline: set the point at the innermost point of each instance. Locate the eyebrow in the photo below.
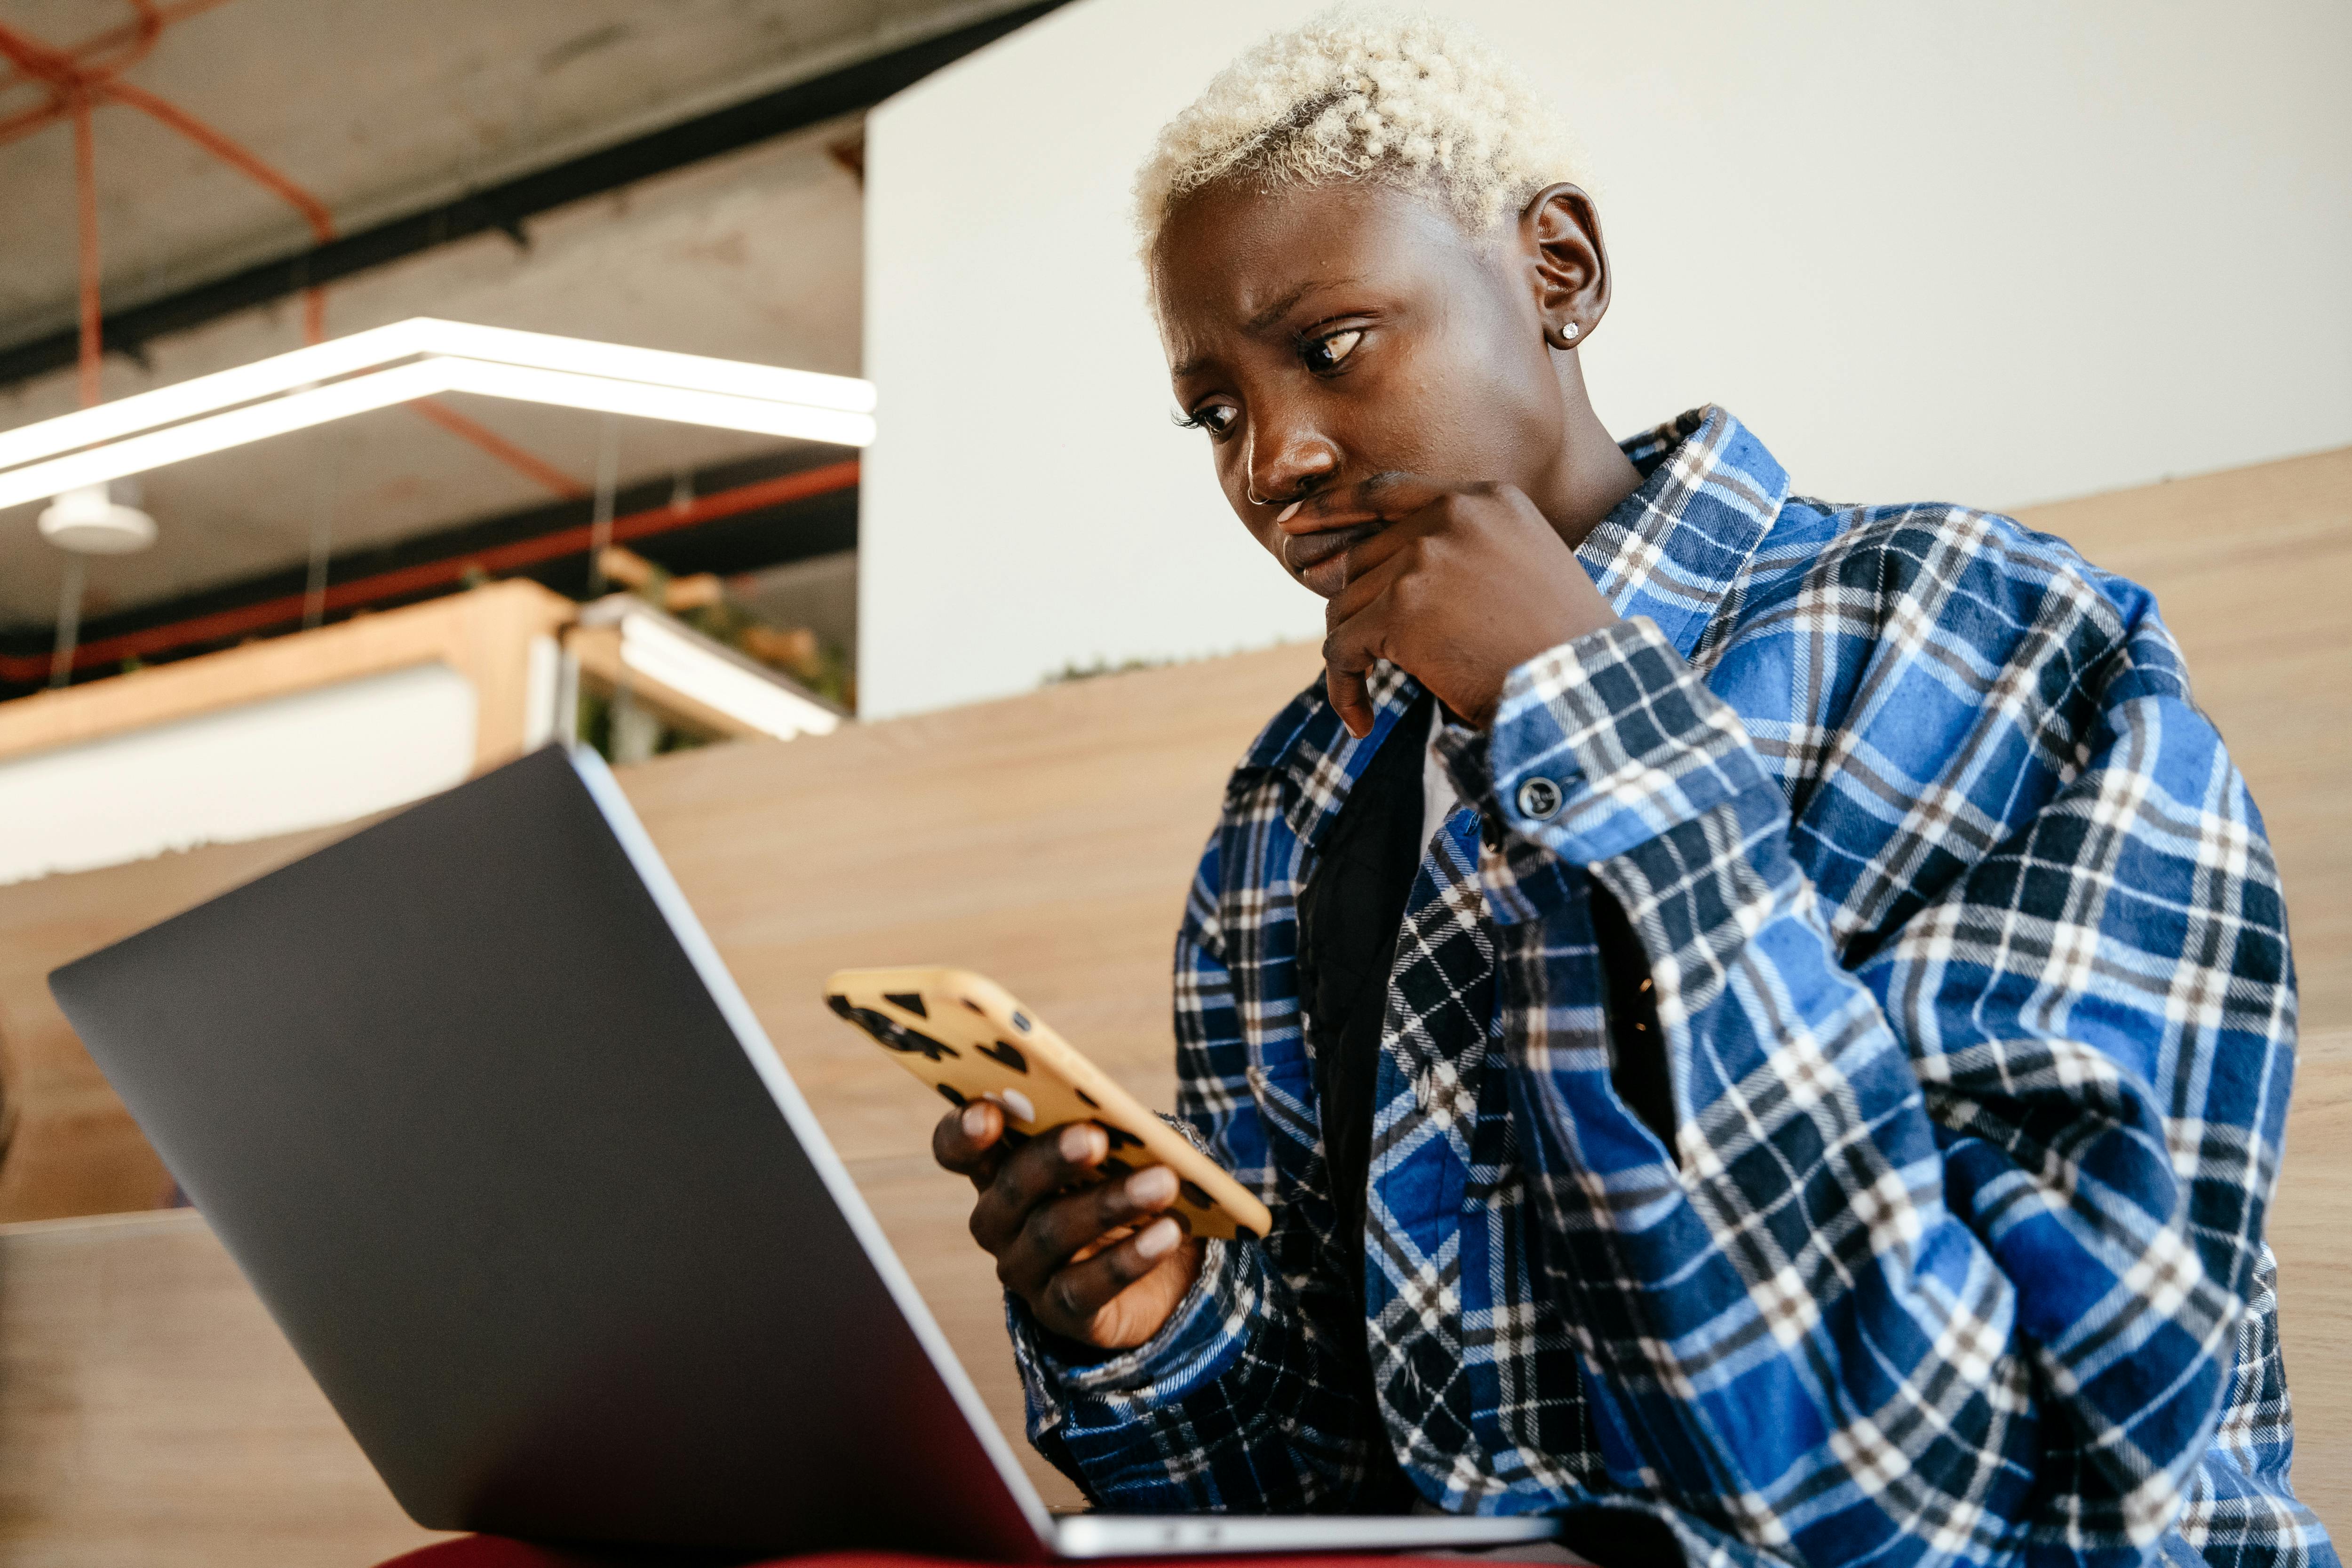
(1269, 316)
(1282, 307)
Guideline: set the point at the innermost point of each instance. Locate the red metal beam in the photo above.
(227, 150)
(287, 611)
(138, 33)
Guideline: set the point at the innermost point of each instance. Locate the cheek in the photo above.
(1484, 395)
(1433, 411)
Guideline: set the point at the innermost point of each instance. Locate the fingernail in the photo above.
(975, 1121)
(1156, 1185)
(1286, 513)
(1157, 1237)
(1079, 1142)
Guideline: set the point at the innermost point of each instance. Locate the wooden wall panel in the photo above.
(2253, 571)
(150, 1413)
(2311, 1231)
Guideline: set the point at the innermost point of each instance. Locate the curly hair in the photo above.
(1408, 99)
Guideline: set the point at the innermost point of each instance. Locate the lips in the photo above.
(1317, 558)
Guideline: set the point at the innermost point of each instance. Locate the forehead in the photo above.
(1232, 256)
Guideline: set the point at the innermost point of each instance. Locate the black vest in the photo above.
(1349, 916)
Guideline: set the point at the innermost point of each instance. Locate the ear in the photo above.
(1567, 267)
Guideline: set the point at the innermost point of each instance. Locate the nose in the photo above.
(1287, 458)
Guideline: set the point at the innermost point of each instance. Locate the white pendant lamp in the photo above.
(91, 522)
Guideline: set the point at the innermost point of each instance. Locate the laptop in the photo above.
(479, 1112)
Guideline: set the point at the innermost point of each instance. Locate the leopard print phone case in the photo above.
(964, 1036)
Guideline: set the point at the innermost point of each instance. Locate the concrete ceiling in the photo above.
(385, 106)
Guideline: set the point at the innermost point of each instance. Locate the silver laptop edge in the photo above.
(704, 955)
(1085, 1535)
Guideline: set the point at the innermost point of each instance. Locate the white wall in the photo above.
(1997, 253)
(316, 757)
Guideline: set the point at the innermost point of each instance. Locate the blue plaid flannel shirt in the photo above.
(1972, 966)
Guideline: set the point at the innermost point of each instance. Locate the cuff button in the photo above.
(1539, 798)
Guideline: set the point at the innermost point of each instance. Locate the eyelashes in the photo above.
(1323, 355)
(1216, 418)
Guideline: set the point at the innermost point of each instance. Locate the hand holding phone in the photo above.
(1093, 1208)
(1098, 1262)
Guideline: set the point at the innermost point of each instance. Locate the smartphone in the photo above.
(964, 1036)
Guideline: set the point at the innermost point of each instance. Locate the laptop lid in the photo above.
(475, 1106)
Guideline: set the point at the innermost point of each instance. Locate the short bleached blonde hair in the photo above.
(1407, 99)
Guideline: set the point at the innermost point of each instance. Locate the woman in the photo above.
(1772, 1015)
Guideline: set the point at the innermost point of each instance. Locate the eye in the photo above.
(1216, 418)
(1324, 353)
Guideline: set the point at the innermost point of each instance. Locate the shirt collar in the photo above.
(1671, 551)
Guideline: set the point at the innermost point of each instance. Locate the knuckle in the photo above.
(1125, 1266)
(1023, 1176)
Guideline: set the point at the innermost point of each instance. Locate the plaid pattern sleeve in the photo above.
(1234, 1406)
(1828, 1320)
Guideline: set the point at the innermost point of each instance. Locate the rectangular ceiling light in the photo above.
(689, 666)
(420, 358)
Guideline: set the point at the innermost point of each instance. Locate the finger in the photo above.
(1349, 650)
(1033, 1174)
(1372, 567)
(967, 1141)
(1350, 699)
(1381, 497)
(1067, 1229)
(1073, 1297)
(1332, 557)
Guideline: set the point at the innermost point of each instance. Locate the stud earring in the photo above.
(1567, 334)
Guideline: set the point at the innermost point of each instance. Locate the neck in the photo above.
(1594, 473)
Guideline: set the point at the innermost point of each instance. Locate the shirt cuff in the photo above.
(1598, 746)
(1196, 1343)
